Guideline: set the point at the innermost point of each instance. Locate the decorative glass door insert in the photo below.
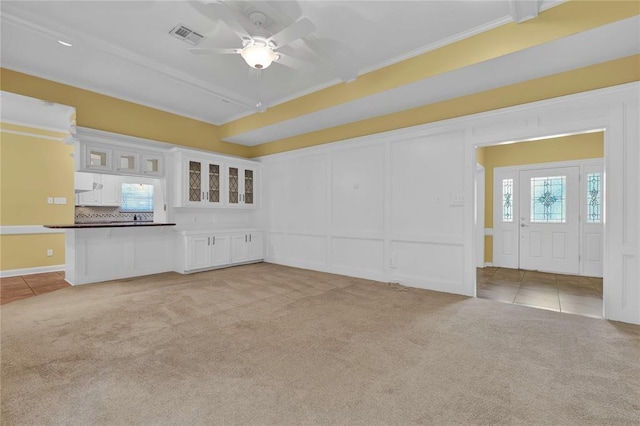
(214, 183)
(548, 199)
(233, 185)
(195, 181)
(594, 198)
(248, 186)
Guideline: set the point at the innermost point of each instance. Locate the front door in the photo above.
(549, 220)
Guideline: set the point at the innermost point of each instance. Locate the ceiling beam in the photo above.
(523, 10)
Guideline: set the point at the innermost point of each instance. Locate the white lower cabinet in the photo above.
(209, 250)
(206, 251)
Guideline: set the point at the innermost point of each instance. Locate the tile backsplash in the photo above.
(108, 214)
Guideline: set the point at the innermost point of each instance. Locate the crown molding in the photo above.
(176, 76)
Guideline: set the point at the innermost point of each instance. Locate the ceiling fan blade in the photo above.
(293, 32)
(210, 50)
(336, 56)
(294, 63)
(237, 22)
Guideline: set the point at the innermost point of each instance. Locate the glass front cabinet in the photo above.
(203, 183)
(241, 186)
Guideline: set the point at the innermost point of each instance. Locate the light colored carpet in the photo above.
(267, 344)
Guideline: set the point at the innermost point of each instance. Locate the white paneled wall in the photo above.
(380, 210)
(399, 206)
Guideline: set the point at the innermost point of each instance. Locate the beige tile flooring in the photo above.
(555, 292)
(23, 286)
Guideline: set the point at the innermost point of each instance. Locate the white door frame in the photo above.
(514, 171)
(479, 214)
(615, 111)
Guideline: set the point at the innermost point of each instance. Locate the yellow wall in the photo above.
(567, 148)
(33, 168)
(564, 20)
(103, 112)
(30, 251)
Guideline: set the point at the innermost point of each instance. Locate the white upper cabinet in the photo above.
(97, 158)
(204, 180)
(152, 164)
(241, 186)
(118, 160)
(200, 181)
(107, 192)
(127, 162)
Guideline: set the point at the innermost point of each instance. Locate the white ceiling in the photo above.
(123, 49)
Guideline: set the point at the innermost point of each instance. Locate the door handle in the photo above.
(523, 225)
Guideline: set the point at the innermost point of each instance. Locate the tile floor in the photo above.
(555, 292)
(21, 287)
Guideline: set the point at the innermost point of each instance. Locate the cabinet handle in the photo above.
(208, 241)
(214, 241)
(249, 237)
(245, 238)
(207, 195)
(203, 195)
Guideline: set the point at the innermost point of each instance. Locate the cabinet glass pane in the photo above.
(214, 183)
(127, 162)
(248, 186)
(97, 158)
(195, 181)
(548, 199)
(233, 185)
(152, 165)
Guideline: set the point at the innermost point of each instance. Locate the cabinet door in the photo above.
(248, 197)
(152, 165)
(239, 248)
(241, 186)
(194, 182)
(97, 158)
(111, 192)
(198, 252)
(233, 185)
(213, 194)
(91, 198)
(127, 162)
(221, 250)
(255, 246)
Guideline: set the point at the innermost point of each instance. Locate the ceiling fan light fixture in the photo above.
(258, 55)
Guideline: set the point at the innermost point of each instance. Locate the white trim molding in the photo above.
(31, 271)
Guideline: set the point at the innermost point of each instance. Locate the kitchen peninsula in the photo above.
(113, 250)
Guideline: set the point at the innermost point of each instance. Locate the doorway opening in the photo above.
(543, 223)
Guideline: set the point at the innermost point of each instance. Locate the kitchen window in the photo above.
(137, 198)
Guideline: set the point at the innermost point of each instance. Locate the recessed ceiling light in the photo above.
(64, 43)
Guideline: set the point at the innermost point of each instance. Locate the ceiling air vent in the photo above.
(186, 34)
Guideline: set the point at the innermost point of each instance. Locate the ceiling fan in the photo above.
(260, 48)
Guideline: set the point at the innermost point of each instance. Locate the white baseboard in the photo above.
(488, 264)
(31, 271)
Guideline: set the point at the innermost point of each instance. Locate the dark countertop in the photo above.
(136, 224)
